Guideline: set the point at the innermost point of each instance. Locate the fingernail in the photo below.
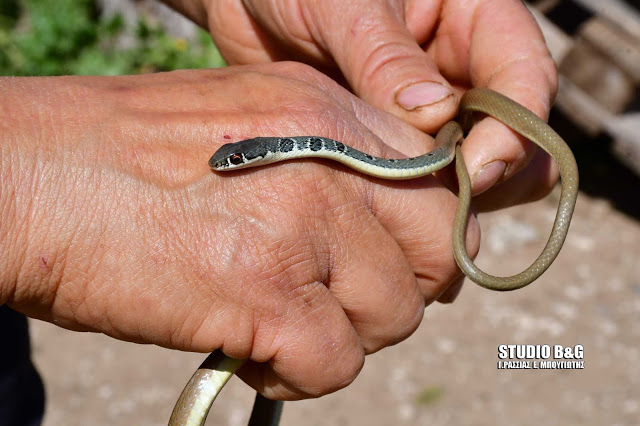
(488, 175)
(422, 94)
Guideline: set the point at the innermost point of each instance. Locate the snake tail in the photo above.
(527, 124)
(202, 389)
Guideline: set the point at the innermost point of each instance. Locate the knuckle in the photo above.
(303, 73)
(320, 349)
(335, 370)
(399, 325)
(397, 312)
(410, 316)
(381, 55)
(294, 68)
(345, 371)
(382, 44)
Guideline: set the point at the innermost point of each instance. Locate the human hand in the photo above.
(413, 59)
(113, 222)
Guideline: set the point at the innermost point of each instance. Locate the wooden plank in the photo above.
(616, 11)
(617, 45)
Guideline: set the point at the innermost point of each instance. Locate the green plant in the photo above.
(430, 395)
(61, 37)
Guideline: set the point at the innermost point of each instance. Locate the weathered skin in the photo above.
(260, 151)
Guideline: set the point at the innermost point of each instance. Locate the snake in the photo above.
(200, 392)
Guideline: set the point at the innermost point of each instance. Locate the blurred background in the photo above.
(446, 372)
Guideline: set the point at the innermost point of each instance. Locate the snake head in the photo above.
(239, 155)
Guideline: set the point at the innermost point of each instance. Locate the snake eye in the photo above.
(236, 159)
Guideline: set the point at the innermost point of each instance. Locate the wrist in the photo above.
(11, 248)
(12, 187)
(31, 121)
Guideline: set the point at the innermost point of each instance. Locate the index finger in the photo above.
(497, 44)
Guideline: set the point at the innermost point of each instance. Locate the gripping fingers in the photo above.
(375, 284)
(423, 230)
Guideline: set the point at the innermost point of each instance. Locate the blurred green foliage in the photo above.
(62, 37)
(430, 395)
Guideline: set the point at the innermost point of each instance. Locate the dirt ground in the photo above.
(446, 373)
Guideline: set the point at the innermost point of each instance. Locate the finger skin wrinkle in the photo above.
(542, 62)
(377, 36)
(288, 13)
(383, 54)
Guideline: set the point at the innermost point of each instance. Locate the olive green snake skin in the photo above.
(198, 395)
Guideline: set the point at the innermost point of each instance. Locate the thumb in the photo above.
(384, 64)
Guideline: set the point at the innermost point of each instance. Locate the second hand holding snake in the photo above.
(196, 399)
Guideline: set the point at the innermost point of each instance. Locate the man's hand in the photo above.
(413, 59)
(113, 222)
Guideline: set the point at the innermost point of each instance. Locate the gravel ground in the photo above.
(446, 373)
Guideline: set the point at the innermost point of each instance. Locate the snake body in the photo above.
(261, 151)
(264, 150)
